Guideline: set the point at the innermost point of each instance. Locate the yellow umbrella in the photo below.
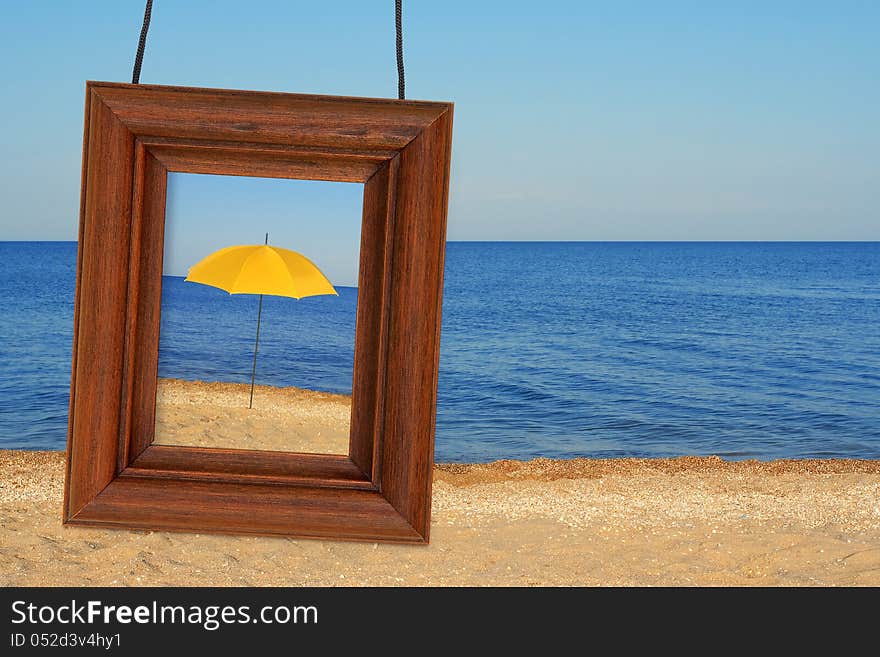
(261, 269)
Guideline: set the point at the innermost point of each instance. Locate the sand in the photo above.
(685, 521)
(688, 521)
(283, 419)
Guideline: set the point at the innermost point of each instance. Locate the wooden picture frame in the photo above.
(134, 135)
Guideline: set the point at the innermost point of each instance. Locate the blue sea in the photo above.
(745, 350)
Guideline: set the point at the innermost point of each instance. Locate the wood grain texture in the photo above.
(415, 304)
(243, 466)
(272, 118)
(269, 161)
(143, 308)
(371, 335)
(77, 294)
(100, 310)
(133, 136)
(139, 502)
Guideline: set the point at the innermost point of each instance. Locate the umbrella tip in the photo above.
(267, 239)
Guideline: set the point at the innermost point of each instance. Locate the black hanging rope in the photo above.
(142, 44)
(398, 26)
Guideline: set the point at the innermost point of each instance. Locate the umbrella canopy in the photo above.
(261, 269)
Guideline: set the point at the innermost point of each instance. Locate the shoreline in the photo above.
(547, 469)
(583, 522)
(586, 467)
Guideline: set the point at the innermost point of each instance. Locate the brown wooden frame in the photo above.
(134, 135)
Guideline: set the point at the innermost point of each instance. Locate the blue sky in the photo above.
(319, 219)
(574, 120)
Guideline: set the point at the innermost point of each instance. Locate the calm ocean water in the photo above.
(760, 350)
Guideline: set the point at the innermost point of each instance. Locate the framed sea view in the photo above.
(234, 340)
(117, 473)
(305, 305)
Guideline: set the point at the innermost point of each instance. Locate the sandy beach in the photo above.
(631, 522)
(213, 414)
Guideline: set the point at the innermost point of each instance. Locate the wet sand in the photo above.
(686, 521)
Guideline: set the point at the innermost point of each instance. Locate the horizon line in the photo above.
(597, 241)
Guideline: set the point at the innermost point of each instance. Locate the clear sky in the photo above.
(321, 220)
(573, 121)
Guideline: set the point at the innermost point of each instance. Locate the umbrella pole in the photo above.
(256, 346)
(257, 342)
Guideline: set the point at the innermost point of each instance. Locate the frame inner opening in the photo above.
(215, 263)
